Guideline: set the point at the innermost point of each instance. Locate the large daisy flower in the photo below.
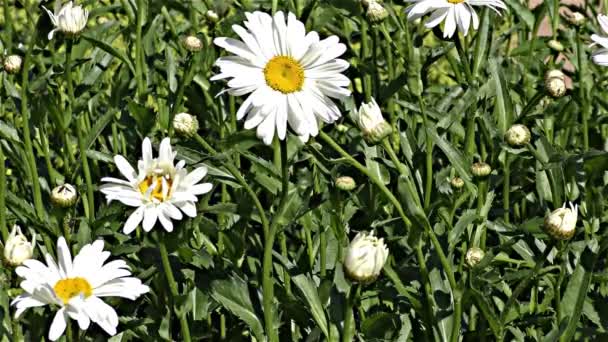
(291, 76)
(159, 189)
(456, 13)
(76, 287)
(600, 57)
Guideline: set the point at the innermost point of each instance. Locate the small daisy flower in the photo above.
(455, 13)
(600, 56)
(290, 76)
(160, 189)
(76, 287)
(70, 20)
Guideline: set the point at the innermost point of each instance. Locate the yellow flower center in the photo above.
(284, 74)
(159, 191)
(455, 1)
(68, 288)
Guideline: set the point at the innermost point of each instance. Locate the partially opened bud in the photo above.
(193, 43)
(365, 258)
(17, 249)
(555, 45)
(518, 135)
(576, 18)
(457, 183)
(481, 169)
(474, 256)
(12, 64)
(346, 183)
(64, 196)
(212, 16)
(555, 83)
(185, 124)
(376, 12)
(372, 124)
(561, 223)
(70, 20)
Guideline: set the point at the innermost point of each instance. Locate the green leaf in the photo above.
(503, 109)
(311, 297)
(233, 294)
(111, 50)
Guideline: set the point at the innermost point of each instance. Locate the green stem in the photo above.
(367, 173)
(429, 158)
(27, 139)
(183, 319)
(8, 26)
(139, 50)
(3, 228)
(580, 54)
(322, 252)
(347, 333)
(179, 97)
(234, 171)
(267, 281)
(506, 187)
(365, 78)
(85, 168)
(275, 5)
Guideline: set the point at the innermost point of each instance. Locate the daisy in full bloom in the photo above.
(455, 13)
(600, 57)
(76, 287)
(159, 189)
(290, 76)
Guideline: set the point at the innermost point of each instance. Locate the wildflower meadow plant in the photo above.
(303, 170)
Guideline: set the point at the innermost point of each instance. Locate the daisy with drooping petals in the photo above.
(76, 287)
(159, 189)
(455, 13)
(600, 57)
(290, 76)
(70, 19)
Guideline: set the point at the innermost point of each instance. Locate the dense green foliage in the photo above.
(449, 102)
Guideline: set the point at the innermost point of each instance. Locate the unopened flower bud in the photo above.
(193, 43)
(474, 256)
(212, 16)
(518, 135)
(561, 223)
(555, 83)
(481, 169)
(576, 18)
(341, 128)
(12, 64)
(345, 183)
(457, 183)
(376, 12)
(365, 258)
(17, 249)
(64, 196)
(555, 45)
(372, 124)
(70, 20)
(185, 124)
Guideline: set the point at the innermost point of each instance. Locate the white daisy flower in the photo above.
(600, 57)
(159, 189)
(70, 20)
(76, 287)
(291, 76)
(456, 13)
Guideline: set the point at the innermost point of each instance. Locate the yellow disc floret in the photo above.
(284, 74)
(66, 289)
(455, 1)
(161, 189)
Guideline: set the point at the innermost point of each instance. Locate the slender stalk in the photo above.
(8, 26)
(365, 78)
(183, 319)
(267, 281)
(506, 187)
(322, 252)
(353, 296)
(3, 228)
(139, 50)
(27, 139)
(179, 97)
(275, 4)
(429, 158)
(234, 171)
(85, 168)
(580, 54)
